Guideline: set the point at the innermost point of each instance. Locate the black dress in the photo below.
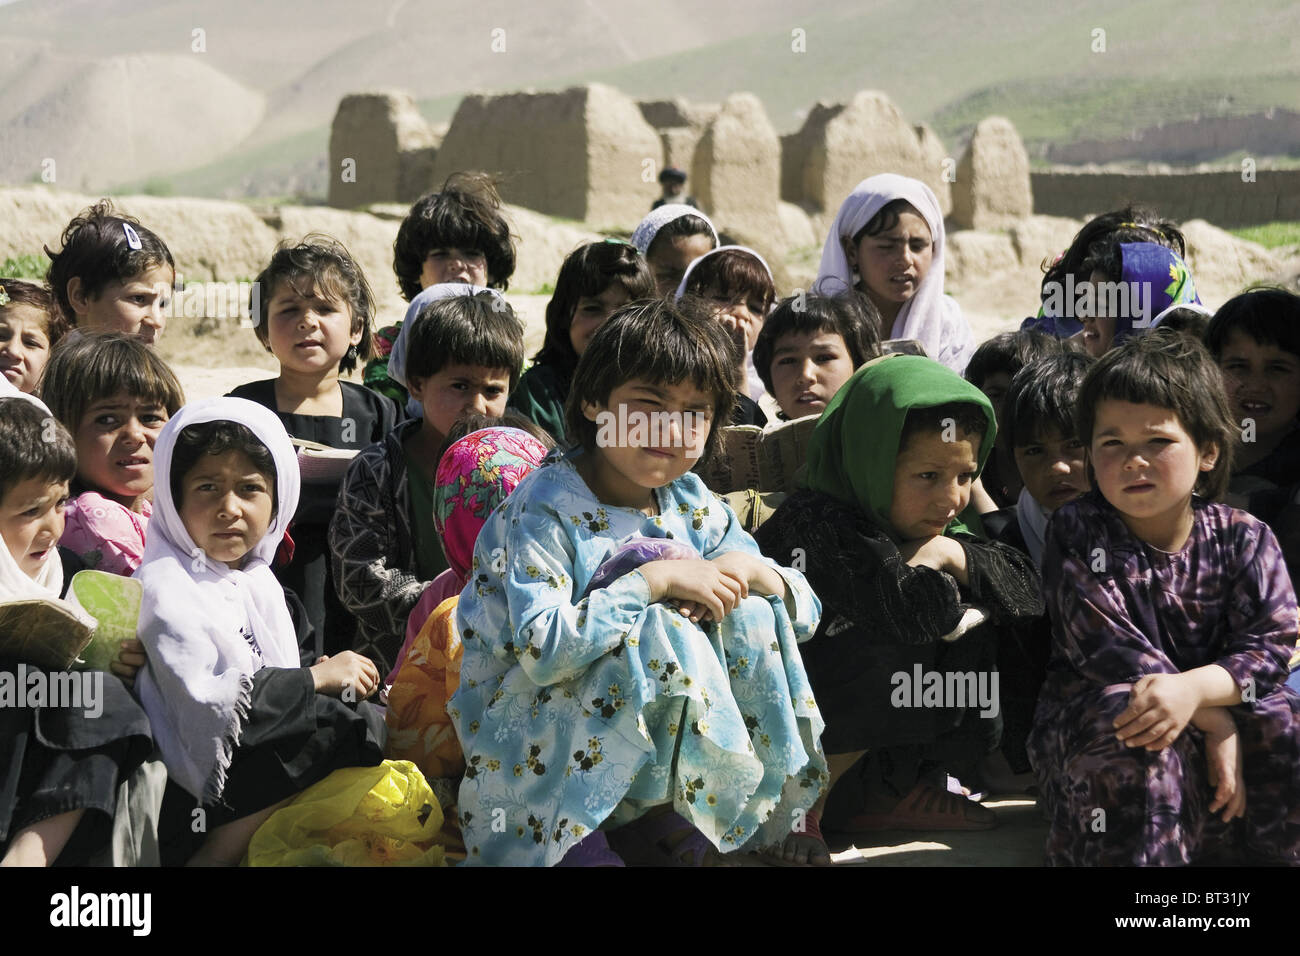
(54, 760)
(291, 738)
(881, 617)
(367, 417)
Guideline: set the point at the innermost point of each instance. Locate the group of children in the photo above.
(575, 638)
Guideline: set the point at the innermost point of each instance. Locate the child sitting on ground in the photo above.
(1038, 420)
(240, 724)
(887, 243)
(1164, 715)
(30, 328)
(464, 356)
(810, 345)
(1134, 284)
(671, 238)
(112, 274)
(316, 308)
(454, 235)
(1066, 275)
(61, 766)
(114, 394)
(737, 287)
(879, 525)
(990, 370)
(595, 280)
(590, 704)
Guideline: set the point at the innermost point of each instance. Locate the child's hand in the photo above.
(939, 553)
(753, 573)
(334, 675)
(1223, 759)
(1159, 707)
(703, 589)
(130, 658)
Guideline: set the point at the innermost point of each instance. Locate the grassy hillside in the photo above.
(941, 63)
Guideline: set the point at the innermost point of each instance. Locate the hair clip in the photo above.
(4, 296)
(132, 237)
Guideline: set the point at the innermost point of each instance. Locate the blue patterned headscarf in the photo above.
(1164, 281)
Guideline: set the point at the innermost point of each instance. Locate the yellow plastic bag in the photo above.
(385, 815)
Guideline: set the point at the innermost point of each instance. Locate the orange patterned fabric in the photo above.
(419, 729)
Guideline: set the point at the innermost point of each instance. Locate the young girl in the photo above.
(241, 726)
(1135, 284)
(581, 710)
(887, 243)
(739, 289)
(890, 468)
(810, 345)
(595, 280)
(114, 394)
(671, 238)
(455, 235)
(1164, 716)
(61, 766)
(1133, 223)
(30, 327)
(317, 307)
(112, 274)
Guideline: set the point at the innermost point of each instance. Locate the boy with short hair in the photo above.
(465, 354)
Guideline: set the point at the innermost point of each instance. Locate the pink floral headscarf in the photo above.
(474, 476)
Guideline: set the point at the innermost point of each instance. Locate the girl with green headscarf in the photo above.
(907, 591)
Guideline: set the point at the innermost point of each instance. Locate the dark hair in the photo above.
(93, 366)
(217, 438)
(1044, 394)
(852, 318)
(886, 218)
(1191, 322)
(1105, 256)
(25, 452)
(1169, 370)
(588, 271)
(686, 224)
(332, 272)
(464, 214)
(1133, 223)
(658, 341)
(477, 329)
(1009, 352)
(37, 297)
(96, 250)
(731, 271)
(475, 422)
(1270, 316)
(970, 418)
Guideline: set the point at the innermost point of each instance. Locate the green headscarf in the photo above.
(854, 446)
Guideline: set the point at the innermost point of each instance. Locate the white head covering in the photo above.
(208, 628)
(397, 357)
(9, 390)
(754, 386)
(649, 227)
(932, 318)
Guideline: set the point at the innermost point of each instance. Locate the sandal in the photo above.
(927, 807)
(775, 855)
(665, 839)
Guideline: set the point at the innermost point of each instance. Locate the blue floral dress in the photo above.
(577, 712)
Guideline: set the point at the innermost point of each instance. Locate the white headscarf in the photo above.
(754, 386)
(15, 585)
(644, 234)
(932, 318)
(196, 688)
(397, 357)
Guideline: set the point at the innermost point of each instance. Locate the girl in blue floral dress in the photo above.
(628, 651)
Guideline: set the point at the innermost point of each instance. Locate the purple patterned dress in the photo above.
(1121, 609)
